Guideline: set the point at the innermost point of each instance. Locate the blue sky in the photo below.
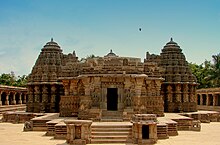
(96, 26)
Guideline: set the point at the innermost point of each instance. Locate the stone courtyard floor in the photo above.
(12, 134)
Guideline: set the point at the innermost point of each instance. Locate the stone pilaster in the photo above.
(185, 93)
(137, 97)
(169, 93)
(44, 94)
(36, 94)
(178, 93)
(66, 87)
(53, 94)
(30, 94)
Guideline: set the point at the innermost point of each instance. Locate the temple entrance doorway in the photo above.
(145, 132)
(112, 99)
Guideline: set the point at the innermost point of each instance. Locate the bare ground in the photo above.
(12, 134)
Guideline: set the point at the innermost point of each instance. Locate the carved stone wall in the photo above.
(61, 83)
(179, 87)
(44, 89)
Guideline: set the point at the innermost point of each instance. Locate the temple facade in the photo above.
(111, 86)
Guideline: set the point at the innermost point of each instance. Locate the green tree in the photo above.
(207, 73)
(201, 71)
(11, 80)
(21, 81)
(214, 74)
(8, 79)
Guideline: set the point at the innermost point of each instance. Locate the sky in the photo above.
(96, 26)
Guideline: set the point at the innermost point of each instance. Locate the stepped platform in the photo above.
(6, 108)
(19, 116)
(162, 131)
(112, 116)
(171, 125)
(40, 123)
(204, 116)
(111, 132)
(114, 132)
(60, 130)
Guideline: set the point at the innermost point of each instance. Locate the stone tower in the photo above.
(179, 86)
(44, 90)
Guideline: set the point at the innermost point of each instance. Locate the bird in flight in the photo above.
(139, 29)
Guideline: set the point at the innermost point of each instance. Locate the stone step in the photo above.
(111, 130)
(110, 133)
(111, 126)
(107, 141)
(111, 113)
(111, 120)
(110, 137)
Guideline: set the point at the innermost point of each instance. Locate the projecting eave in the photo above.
(44, 83)
(144, 76)
(192, 83)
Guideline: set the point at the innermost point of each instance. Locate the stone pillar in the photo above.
(13, 100)
(1, 98)
(78, 132)
(207, 99)
(7, 99)
(214, 99)
(25, 98)
(201, 99)
(20, 100)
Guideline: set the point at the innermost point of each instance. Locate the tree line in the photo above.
(10, 79)
(207, 74)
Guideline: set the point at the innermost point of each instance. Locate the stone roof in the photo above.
(12, 88)
(111, 54)
(51, 45)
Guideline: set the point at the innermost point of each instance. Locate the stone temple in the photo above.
(111, 87)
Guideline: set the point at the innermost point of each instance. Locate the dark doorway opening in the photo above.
(218, 98)
(112, 99)
(3, 98)
(198, 99)
(145, 132)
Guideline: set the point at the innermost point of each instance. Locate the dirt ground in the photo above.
(12, 134)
